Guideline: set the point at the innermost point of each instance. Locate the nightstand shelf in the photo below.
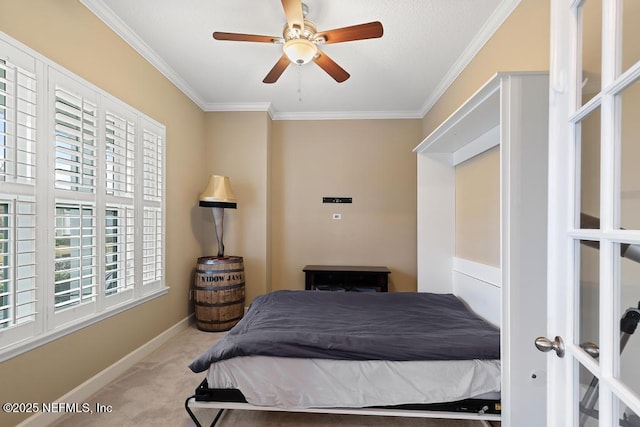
(346, 278)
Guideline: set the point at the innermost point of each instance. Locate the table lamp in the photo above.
(218, 196)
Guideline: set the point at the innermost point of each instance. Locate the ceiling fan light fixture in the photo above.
(300, 51)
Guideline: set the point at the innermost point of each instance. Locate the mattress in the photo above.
(291, 383)
(399, 326)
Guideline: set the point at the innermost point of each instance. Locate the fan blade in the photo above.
(245, 37)
(277, 70)
(293, 12)
(333, 69)
(371, 30)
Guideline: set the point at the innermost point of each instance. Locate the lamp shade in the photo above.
(300, 51)
(218, 193)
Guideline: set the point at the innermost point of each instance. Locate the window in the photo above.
(75, 255)
(81, 202)
(17, 262)
(18, 293)
(119, 250)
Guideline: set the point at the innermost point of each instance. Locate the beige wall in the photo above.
(280, 170)
(368, 160)
(60, 30)
(237, 145)
(520, 44)
(478, 208)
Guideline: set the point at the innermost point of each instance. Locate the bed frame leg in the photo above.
(218, 415)
(193, 416)
(190, 412)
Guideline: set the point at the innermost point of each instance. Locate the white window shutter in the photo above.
(17, 123)
(75, 255)
(82, 209)
(153, 203)
(120, 135)
(18, 98)
(119, 249)
(153, 165)
(76, 126)
(17, 261)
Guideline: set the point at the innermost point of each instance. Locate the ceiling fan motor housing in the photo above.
(299, 44)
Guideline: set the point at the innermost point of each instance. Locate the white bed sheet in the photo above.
(292, 383)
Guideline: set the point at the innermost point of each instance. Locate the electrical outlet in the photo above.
(337, 216)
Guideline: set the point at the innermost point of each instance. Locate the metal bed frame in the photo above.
(482, 410)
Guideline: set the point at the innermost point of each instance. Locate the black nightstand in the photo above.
(346, 278)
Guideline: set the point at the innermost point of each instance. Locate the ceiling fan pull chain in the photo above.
(299, 84)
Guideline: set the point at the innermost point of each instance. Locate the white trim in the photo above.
(516, 102)
(484, 142)
(477, 105)
(477, 115)
(237, 106)
(84, 391)
(106, 15)
(501, 13)
(347, 115)
(482, 297)
(47, 337)
(487, 273)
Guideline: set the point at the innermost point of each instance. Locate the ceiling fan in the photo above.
(300, 40)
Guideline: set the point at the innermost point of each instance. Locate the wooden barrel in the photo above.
(219, 293)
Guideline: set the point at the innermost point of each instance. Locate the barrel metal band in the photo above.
(231, 270)
(217, 322)
(219, 288)
(219, 304)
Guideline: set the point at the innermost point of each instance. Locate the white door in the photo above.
(594, 213)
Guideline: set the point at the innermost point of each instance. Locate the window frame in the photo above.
(50, 324)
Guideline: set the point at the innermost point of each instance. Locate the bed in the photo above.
(407, 354)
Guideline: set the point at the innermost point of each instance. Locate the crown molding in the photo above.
(501, 13)
(106, 15)
(238, 106)
(346, 115)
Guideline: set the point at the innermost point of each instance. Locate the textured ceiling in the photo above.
(425, 45)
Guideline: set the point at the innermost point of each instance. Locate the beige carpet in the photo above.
(152, 393)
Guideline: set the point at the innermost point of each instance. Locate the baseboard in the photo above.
(84, 391)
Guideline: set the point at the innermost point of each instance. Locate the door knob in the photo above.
(591, 349)
(544, 344)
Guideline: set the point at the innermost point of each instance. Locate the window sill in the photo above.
(32, 343)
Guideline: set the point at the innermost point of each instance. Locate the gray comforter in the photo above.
(357, 326)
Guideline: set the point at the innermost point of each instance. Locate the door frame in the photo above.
(565, 111)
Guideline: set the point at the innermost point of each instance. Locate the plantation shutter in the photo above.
(120, 135)
(119, 249)
(153, 167)
(82, 202)
(76, 133)
(18, 109)
(76, 125)
(75, 255)
(17, 124)
(153, 204)
(17, 261)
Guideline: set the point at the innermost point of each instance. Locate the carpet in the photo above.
(153, 391)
